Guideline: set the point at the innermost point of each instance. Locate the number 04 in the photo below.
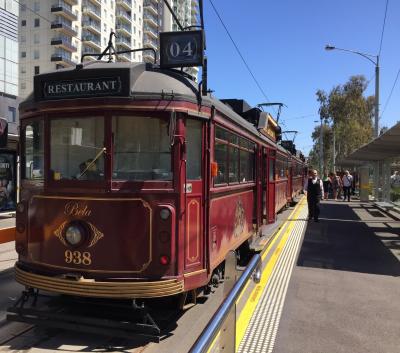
(188, 49)
(175, 49)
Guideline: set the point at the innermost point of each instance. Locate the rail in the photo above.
(227, 307)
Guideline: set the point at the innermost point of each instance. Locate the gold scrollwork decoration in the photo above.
(97, 235)
(59, 233)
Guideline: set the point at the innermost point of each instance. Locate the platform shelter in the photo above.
(378, 155)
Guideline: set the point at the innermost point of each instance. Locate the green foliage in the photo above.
(349, 115)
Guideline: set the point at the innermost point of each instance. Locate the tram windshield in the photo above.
(34, 151)
(77, 148)
(142, 148)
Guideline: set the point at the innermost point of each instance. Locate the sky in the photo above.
(283, 44)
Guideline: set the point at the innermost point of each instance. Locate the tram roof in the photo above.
(147, 82)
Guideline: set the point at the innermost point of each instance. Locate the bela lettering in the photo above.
(76, 209)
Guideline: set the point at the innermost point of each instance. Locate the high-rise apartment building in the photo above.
(56, 33)
(152, 22)
(185, 10)
(9, 63)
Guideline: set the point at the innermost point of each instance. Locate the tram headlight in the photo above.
(74, 234)
(165, 213)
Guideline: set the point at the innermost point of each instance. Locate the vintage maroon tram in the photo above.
(297, 175)
(135, 186)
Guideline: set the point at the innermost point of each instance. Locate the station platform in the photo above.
(331, 286)
(8, 255)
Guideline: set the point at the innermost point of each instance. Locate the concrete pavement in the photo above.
(344, 293)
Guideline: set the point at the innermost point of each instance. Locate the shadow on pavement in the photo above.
(352, 237)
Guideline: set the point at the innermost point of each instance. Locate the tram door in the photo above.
(271, 185)
(194, 215)
(264, 183)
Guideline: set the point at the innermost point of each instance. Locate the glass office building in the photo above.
(9, 63)
(9, 101)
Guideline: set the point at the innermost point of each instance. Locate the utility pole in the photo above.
(376, 130)
(321, 151)
(334, 149)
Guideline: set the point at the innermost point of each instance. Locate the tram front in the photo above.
(100, 185)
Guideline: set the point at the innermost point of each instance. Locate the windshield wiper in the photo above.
(92, 162)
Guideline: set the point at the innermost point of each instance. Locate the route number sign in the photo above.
(181, 49)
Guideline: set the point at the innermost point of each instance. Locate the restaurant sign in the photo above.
(88, 87)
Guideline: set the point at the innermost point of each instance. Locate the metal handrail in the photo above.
(206, 338)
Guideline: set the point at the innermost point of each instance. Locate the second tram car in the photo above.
(135, 186)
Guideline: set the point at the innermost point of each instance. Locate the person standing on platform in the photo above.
(314, 190)
(326, 181)
(347, 185)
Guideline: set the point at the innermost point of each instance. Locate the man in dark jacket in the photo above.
(314, 190)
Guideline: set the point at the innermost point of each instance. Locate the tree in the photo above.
(348, 115)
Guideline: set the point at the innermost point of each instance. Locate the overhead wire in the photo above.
(240, 54)
(383, 27)
(380, 50)
(390, 94)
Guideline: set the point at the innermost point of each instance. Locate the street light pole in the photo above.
(376, 115)
(334, 149)
(376, 64)
(376, 130)
(321, 150)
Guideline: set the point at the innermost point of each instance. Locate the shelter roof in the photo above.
(382, 147)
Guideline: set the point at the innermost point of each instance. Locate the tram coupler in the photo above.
(27, 294)
(144, 314)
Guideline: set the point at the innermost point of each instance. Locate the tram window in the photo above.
(221, 157)
(141, 149)
(233, 164)
(193, 149)
(34, 156)
(76, 148)
(221, 134)
(250, 167)
(240, 157)
(271, 170)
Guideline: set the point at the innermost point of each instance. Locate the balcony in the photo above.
(64, 10)
(63, 28)
(150, 7)
(125, 57)
(71, 2)
(150, 31)
(124, 29)
(62, 59)
(90, 50)
(92, 26)
(149, 43)
(150, 19)
(123, 42)
(64, 43)
(123, 16)
(95, 2)
(92, 41)
(148, 56)
(126, 4)
(92, 12)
